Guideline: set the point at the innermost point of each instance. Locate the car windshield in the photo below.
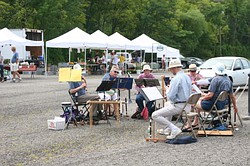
(211, 62)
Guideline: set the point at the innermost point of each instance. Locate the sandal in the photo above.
(188, 129)
(195, 125)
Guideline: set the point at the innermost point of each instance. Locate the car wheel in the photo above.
(184, 65)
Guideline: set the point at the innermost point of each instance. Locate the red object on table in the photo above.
(27, 68)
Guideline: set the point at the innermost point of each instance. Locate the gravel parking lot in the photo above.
(26, 140)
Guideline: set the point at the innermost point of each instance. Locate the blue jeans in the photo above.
(139, 100)
(1, 70)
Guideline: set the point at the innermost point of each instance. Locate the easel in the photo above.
(152, 133)
(152, 94)
(164, 82)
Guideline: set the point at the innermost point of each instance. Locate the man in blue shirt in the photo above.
(111, 76)
(80, 89)
(82, 97)
(14, 65)
(178, 93)
(219, 83)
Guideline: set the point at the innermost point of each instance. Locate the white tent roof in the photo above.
(118, 38)
(152, 46)
(103, 41)
(7, 37)
(146, 43)
(169, 52)
(73, 39)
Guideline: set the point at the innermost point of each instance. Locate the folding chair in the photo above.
(78, 110)
(186, 116)
(83, 106)
(84, 110)
(215, 111)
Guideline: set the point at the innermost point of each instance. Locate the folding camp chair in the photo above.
(186, 116)
(215, 112)
(83, 110)
(78, 110)
(80, 107)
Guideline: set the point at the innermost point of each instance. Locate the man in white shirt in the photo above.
(178, 93)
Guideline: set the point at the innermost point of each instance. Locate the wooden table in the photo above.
(115, 102)
(31, 68)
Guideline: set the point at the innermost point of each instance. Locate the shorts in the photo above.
(207, 104)
(14, 67)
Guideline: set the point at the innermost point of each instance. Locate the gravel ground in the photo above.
(26, 140)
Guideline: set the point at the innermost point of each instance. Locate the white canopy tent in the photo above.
(103, 41)
(146, 43)
(8, 38)
(125, 42)
(72, 39)
(169, 52)
(152, 46)
(75, 38)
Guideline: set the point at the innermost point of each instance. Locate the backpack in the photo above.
(182, 140)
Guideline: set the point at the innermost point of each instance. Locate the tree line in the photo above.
(202, 28)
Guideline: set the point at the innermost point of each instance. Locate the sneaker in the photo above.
(13, 80)
(174, 133)
(135, 115)
(19, 79)
(165, 131)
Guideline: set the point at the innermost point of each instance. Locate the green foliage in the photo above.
(202, 28)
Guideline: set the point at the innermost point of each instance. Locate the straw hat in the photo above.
(192, 67)
(146, 67)
(77, 67)
(219, 68)
(174, 63)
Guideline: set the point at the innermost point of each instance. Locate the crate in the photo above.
(56, 124)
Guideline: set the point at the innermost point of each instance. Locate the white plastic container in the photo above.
(56, 124)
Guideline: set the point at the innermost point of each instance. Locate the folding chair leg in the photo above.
(106, 117)
(201, 125)
(189, 123)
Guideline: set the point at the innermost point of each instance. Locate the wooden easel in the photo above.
(153, 134)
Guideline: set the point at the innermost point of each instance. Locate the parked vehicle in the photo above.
(237, 69)
(190, 60)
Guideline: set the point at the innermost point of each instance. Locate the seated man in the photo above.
(80, 89)
(178, 93)
(219, 83)
(110, 94)
(111, 76)
(139, 97)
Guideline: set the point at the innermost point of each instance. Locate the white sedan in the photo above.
(237, 69)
